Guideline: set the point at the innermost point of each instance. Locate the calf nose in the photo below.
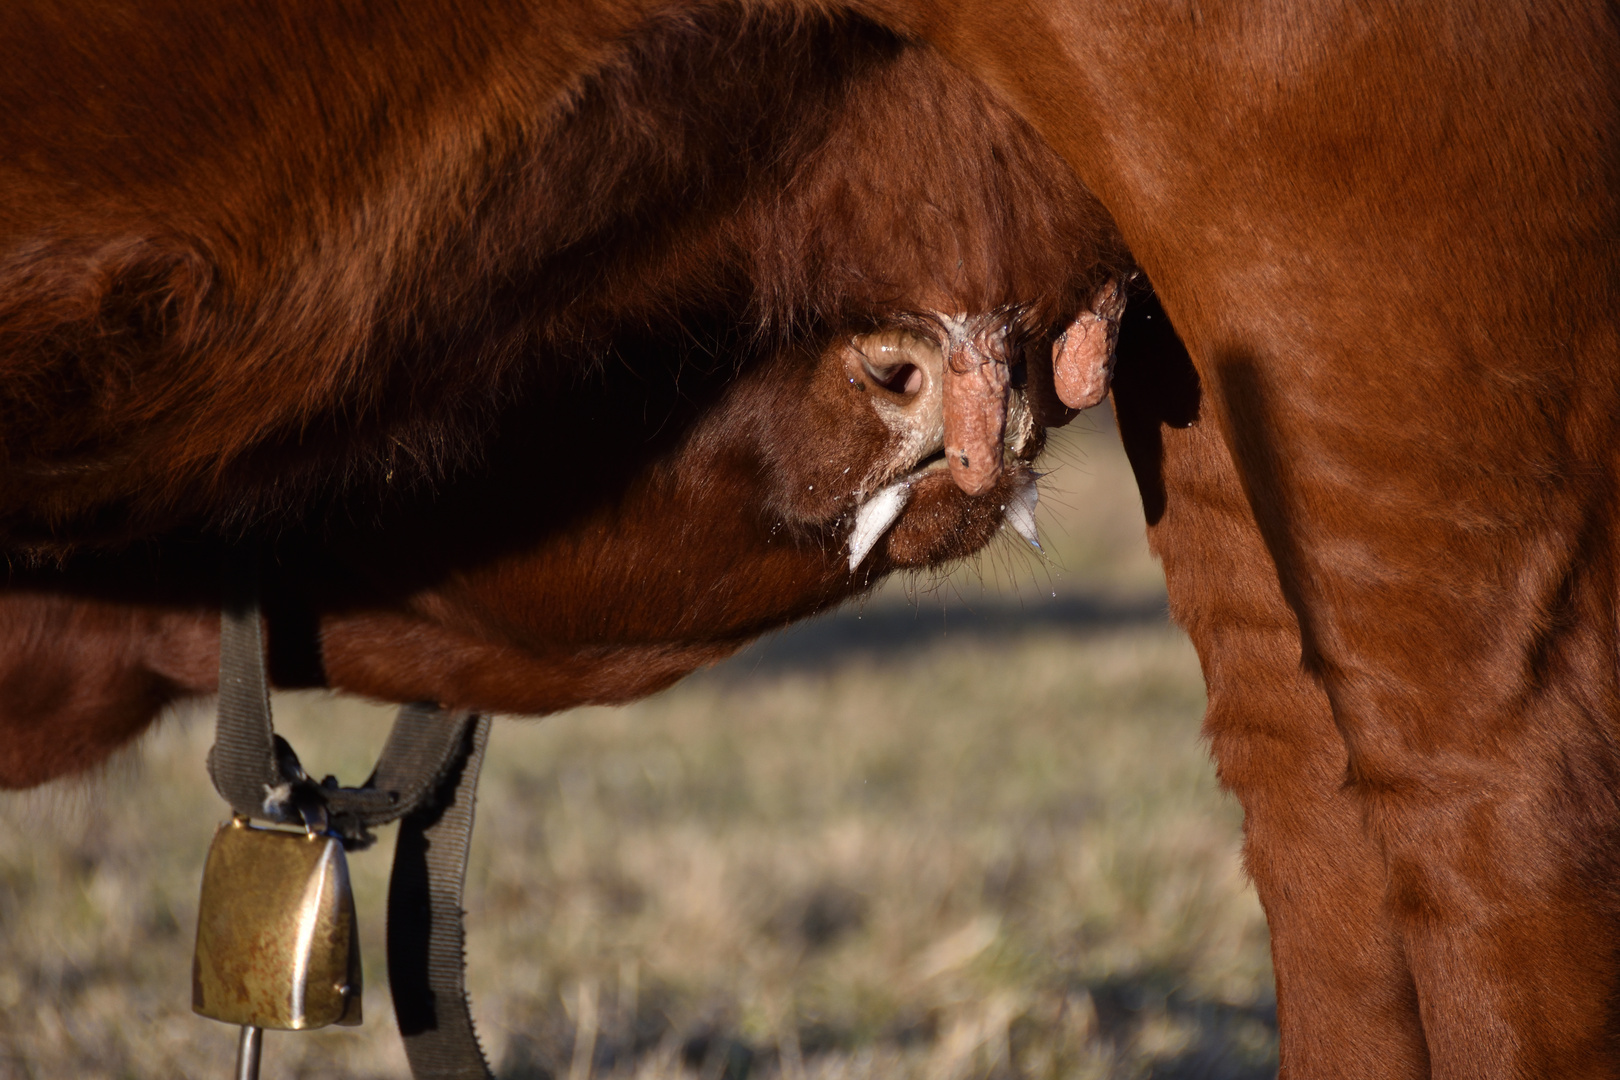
(896, 362)
(903, 375)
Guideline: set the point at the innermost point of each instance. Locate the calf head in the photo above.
(925, 292)
(805, 480)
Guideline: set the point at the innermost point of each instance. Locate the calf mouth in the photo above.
(963, 488)
(956, 392)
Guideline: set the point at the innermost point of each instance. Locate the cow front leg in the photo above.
(1346, 1001)
(1503, 856)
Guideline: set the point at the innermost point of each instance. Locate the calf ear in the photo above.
(1083, 356)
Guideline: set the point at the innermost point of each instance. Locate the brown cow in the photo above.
(319, 261)
(1384, 487)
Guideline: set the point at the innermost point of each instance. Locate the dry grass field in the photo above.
(966, 829)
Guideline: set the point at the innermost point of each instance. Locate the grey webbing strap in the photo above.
(260, 775)
(427, 960)
(422, 734)
(427, 773)
(243, 761)
(423, 747)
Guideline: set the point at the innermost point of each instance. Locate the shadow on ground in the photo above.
(1124, 1005)
(891, 629)
(1220, 1041)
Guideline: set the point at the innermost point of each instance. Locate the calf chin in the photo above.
(941, 523)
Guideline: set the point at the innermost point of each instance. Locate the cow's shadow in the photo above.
(889, 631)
(1123, 1004)
(1228, 1041)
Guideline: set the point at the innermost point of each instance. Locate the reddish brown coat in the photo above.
(1387, 234)
(323, 252)
(695, 486)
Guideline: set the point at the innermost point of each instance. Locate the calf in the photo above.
(802, 482)
(670, 507)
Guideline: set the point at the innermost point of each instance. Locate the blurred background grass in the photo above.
(963, 829)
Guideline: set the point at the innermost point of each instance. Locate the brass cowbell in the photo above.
(277, 945)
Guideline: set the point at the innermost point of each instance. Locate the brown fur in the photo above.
(1386, 233)
(1386, 506)
(323, 253)
(689, 493)
(661, 561)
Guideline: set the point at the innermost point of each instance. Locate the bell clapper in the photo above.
(248, 1046)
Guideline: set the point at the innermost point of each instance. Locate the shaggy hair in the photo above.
(322, 254)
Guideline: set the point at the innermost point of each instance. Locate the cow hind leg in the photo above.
(1346, 1001)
